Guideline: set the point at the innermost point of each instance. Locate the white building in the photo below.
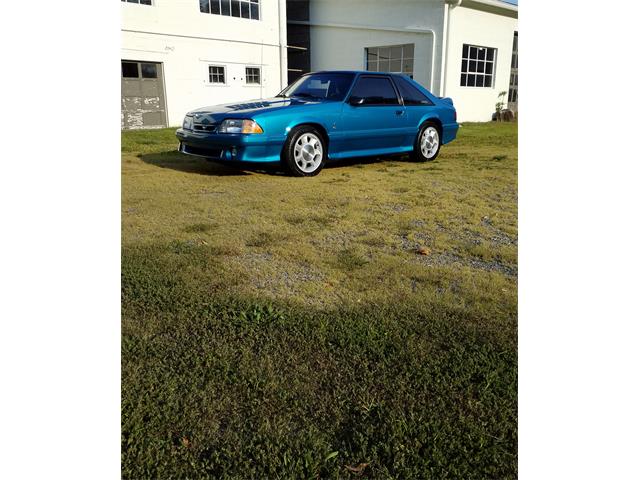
(464, 49)
(178, 55)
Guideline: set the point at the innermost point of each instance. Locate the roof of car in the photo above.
(354, 72)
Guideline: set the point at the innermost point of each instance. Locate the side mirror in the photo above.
(356, 101)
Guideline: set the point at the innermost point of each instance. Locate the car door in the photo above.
(373, 117)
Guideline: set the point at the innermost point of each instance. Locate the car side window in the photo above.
(374, 91)
(410, 94)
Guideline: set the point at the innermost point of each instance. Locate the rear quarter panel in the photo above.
(446, 115)
(441, 110)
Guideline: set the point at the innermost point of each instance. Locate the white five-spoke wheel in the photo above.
(429, 142)
(305, 151)
(308, 152)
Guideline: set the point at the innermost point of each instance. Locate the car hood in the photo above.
(251, 107)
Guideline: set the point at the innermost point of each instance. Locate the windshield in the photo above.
(322, 86)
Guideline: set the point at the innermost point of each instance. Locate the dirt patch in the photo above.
(448, 259)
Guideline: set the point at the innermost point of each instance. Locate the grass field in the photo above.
(361, 323)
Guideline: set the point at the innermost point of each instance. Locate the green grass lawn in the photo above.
(364, 319)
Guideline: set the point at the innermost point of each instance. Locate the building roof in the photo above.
(494, 6)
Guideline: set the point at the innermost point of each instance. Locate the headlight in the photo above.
(232, 125)
(187, 124)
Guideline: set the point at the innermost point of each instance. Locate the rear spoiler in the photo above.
(448, 100)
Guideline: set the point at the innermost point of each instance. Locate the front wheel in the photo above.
(427, 144)
(304, 152)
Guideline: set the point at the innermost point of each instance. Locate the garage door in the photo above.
(143, 103)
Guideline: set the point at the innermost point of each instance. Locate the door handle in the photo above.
(399, 112)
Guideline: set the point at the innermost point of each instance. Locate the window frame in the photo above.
(393, 86)
(155, 66)
(137, 2)
(138, 69)
(246, 76)
(402, 58)
(224, 74)
(139, 64)
(230, 4)
(466, 72)
(512, 96)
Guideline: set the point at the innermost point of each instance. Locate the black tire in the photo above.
(297, 138)
(417, 154)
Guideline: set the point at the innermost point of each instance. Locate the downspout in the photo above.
(282, 18)
(383, 29)
(448, 5)
(261, 67)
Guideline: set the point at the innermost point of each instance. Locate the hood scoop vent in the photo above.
(249, 106)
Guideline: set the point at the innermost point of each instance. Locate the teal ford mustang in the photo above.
(324, 116)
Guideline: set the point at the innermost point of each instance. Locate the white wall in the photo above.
(341, 29)
(475, 27)
(380, 23)
(186, 41)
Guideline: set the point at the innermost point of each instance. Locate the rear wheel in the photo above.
(304, 153)
(427, 144)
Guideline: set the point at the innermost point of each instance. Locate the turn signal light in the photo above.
(249, 126)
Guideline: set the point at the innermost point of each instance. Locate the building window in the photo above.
(130, 70)
(232, 8)
(141, 2)
(513, 88)
(513, 81)
(477, 66)
(394, 59)
(149, 70)
(252, 75)
(216, 74)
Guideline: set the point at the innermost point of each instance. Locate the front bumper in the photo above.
(230, 146)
